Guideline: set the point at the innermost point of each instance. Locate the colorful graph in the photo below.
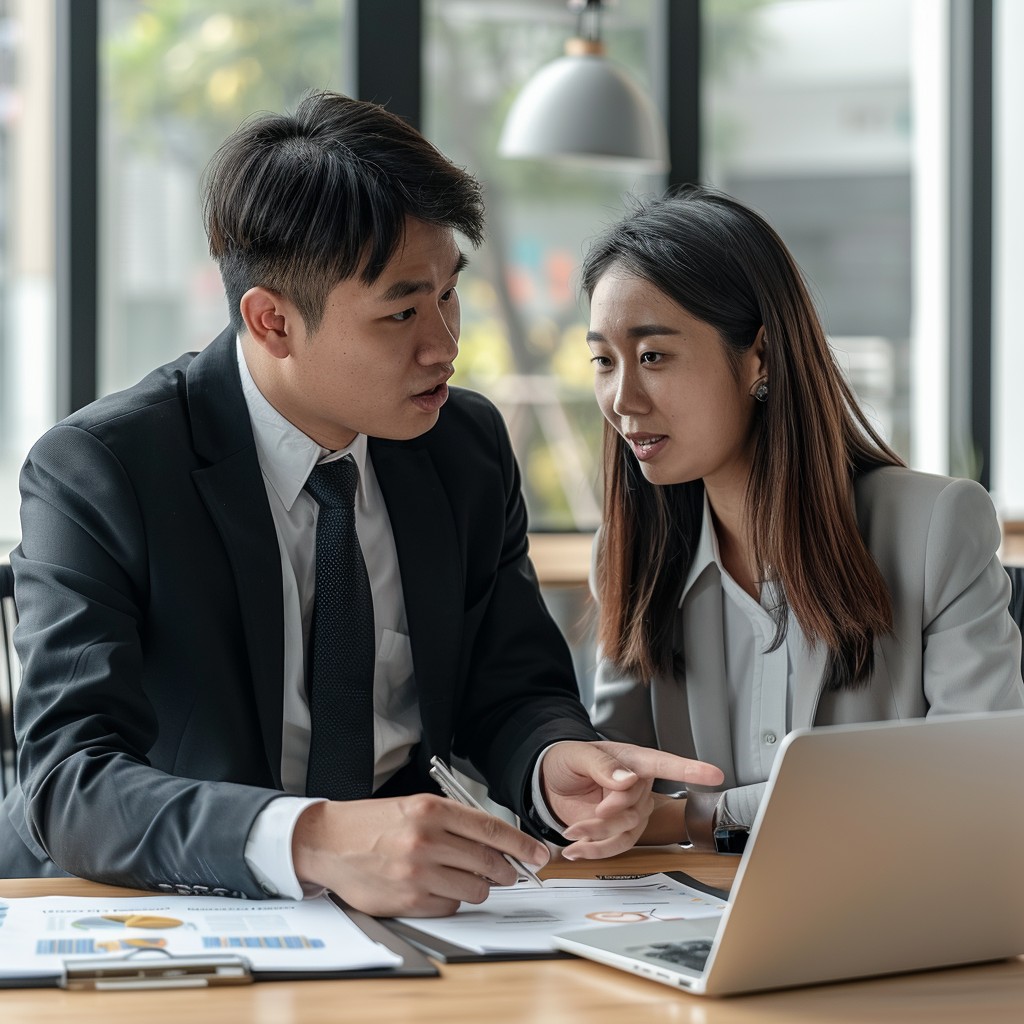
(105, 921)
(261, 942)
(69, 947)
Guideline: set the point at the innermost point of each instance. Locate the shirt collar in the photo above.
(707, 554)
(287, 455)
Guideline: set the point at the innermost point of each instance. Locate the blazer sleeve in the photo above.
(93, 803)
(971, 646)
(621, 707)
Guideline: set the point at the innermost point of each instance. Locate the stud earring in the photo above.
(761, 391)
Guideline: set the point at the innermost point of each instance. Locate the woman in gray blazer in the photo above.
(766, 561)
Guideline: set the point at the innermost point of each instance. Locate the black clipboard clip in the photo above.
(133, 972)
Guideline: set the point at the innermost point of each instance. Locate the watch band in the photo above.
(699, 818)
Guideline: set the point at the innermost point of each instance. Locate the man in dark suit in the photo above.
(170, 735)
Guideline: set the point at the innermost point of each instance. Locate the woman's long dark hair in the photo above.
(727, 267)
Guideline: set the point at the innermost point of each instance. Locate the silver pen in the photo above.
(454, 790)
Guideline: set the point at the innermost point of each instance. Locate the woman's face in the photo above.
(664, 382)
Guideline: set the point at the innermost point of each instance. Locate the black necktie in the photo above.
(342, 660)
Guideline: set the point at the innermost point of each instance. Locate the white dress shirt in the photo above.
(287, 457)
(761, 682)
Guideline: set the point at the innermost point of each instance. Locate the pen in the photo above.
(454, 790)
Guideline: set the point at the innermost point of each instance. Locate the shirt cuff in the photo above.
(739, 806)
(540, 813)
(268, 850)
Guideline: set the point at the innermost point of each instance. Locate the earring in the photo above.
(761, 391)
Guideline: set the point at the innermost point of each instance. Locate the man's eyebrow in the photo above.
(639, 331)
(402, 289)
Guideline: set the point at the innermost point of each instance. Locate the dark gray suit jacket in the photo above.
(149, 588)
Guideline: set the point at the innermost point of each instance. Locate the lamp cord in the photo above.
(584, 8)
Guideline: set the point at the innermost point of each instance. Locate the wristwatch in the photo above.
(730, 838)
(709, 828)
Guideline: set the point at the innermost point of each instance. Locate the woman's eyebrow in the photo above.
(639, 331)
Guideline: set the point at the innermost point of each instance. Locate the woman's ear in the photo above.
(760, 350)
(272, 321)
(756, 362)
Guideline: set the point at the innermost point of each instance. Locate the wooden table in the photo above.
(532, 992)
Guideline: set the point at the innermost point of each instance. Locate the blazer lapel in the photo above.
(707, 690)
(431, 569)
(810, 679)
(809, 683)
(234, 493)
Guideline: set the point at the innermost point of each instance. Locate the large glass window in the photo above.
(1008, 221)
(809, 117)
(177, 77)
(523, 325)
(27, 392)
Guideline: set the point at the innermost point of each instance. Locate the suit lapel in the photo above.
(810, 680)
(432, 576)
(232, 488)
(707, 691)
(808, 686)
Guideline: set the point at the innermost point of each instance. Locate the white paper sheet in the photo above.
(39, 934)
(522, 919)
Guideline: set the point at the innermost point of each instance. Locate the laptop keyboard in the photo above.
(690, 954)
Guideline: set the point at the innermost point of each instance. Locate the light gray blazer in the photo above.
(954, 646)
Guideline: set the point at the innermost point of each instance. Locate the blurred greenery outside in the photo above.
(180, 76)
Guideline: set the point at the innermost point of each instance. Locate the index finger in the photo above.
(660, 764)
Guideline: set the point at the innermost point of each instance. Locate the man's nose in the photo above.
(442, 342)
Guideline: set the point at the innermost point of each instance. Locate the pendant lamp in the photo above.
(584, 108)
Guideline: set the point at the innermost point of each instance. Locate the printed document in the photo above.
(522, 918)
(39, 934)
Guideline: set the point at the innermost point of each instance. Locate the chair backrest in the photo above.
(10, 676)
(1016, 573)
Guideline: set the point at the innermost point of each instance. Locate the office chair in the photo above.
(10, 676)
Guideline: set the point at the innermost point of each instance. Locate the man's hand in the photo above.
(602, 791)
(414, 856)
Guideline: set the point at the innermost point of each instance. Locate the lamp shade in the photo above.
(583, 108)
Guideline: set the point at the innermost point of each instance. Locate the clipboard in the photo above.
(132, 973)
(450, 953)
(157, 969)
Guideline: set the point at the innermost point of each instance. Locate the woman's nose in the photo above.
(630, 397)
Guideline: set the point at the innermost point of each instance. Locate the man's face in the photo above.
(379, 362)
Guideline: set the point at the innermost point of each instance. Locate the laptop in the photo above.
(878, 848)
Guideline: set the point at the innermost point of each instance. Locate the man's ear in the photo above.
(271, 320)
